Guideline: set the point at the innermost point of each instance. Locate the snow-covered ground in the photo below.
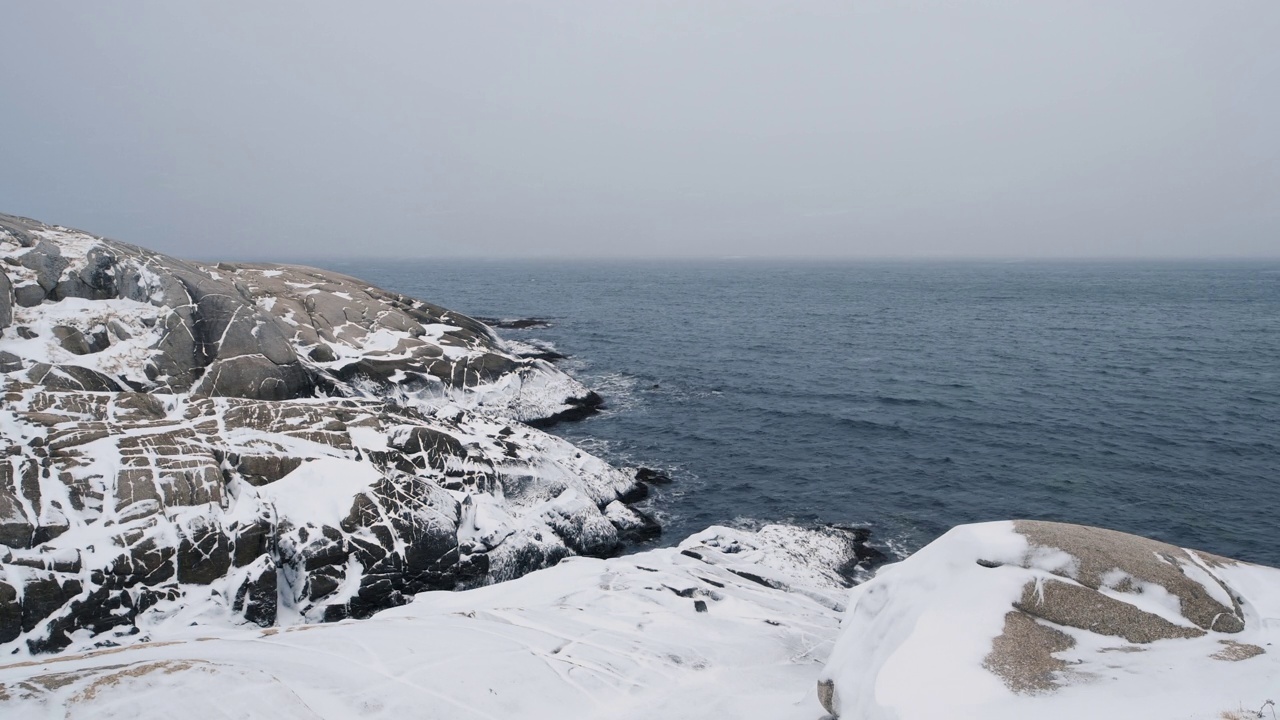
(658, 634)
(921, 640)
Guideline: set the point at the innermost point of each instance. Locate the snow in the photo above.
(320, 491)
(914, 639)
(125, 357)
(619, 638)
(369, 438)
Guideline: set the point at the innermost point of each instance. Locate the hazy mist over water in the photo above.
(743, 128)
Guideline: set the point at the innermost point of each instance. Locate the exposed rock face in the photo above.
(657, 634)
(6, 301)
(265, 444)
(113, 503)
(1008, 612)
(1109, 561)
(98, 314)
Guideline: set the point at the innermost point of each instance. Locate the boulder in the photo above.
(999, 619)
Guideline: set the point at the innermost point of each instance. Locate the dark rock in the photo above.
(255, 377)
(204, 555)
(28, 294)
(223, 327)
(517, 323)
(6, 300)
(95, 281)
(322, 353)
(146, 562)
(10, 362)
(256, 597)
(700, 606)
(139, 406)
(72, 378)
(251, 541)
(634, 526)
(635, 494)
(653, 477)
(46, 261)
(42, 595)
(757, 579)
(10, 613)
(863, 557)
(579, 408)
(16, 529)
(72, 340)
(265, 469)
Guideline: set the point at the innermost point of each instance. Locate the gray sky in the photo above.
(249, 130)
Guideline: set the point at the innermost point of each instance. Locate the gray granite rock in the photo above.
(6, 300)
(257, 331)
(155, 408)
(179, 497)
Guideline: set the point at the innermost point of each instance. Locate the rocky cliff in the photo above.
(262, 442)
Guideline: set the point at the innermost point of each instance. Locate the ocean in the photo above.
(913, 396)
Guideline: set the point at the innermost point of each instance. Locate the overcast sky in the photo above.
(738, 128)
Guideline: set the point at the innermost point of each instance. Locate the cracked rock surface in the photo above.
(265, 444)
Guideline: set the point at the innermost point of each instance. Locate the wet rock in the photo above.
(516, 323)
(653, 477)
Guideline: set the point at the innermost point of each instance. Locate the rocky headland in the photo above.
(245, 490)
(272, 443)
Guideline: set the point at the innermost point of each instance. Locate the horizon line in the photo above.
(295, 258)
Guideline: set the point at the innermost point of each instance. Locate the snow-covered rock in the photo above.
(1046, 620)
(673, 633)
(79, 312)
(265, 443)
(285, 511)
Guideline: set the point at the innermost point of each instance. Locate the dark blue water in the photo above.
(915, 396)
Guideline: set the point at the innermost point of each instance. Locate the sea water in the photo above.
(912, 396)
